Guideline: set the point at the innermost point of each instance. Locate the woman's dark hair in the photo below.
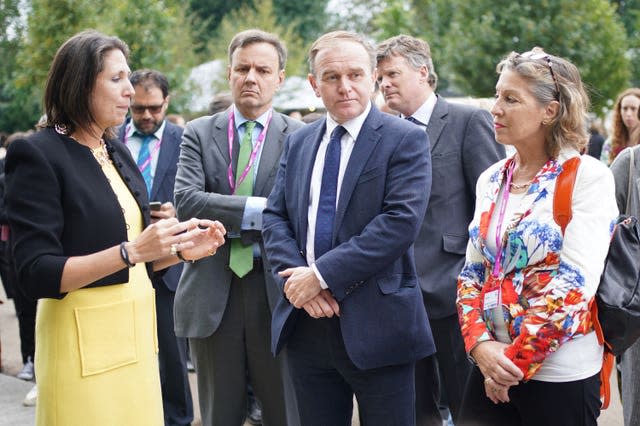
(72, 77)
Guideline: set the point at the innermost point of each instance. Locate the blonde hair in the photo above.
(552, 78)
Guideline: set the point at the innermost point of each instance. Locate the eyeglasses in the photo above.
(153, 109)
(537, 54)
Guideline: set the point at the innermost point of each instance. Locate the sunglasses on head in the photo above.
(153, 109)
(536, 55)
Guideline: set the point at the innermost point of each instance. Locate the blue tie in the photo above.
(144, 161)
(328, 191)
(415, 121)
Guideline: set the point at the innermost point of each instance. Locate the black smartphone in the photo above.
(155, 205)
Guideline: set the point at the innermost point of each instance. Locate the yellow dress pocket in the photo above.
(106, 336)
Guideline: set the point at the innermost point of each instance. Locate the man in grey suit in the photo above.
(226, 170)
(462, 146)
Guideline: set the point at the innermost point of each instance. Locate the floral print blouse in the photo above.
(546, 280)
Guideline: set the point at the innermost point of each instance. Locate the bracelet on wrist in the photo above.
(124, 254)
(179, 254)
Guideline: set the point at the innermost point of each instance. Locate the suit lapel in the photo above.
(307, 160)
(437, 122)
(170, 144)
(270, 155)
(219, 148)
(364, 146)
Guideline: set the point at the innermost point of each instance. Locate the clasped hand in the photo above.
(302, 289)
(500, 372)
(194, 239)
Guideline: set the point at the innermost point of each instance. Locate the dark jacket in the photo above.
(60, 204)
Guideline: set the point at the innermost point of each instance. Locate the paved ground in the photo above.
(12, 390)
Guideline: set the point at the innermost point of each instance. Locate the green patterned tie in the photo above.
(241, 260)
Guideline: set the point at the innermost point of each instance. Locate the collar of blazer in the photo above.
(437, 122)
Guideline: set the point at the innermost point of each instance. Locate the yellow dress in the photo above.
(96, 349)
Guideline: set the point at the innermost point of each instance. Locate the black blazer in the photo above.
(60, 204)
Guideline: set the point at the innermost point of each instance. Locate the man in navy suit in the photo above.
(154, 144)
(462, 146)
(339, 226)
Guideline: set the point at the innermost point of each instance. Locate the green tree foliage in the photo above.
(629, 13)
(396, 18)
(16, 112)
(265, 19)
(210, 13)
(158, 33)
(432, 20)
(357, 15)
(159, 37)
(307, 17)
(587, 32)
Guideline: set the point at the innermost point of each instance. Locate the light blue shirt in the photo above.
(134, 142)
(252, 215)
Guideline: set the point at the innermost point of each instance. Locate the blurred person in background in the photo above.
(176, 119)
(625, 119)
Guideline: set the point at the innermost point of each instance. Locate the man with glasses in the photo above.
(154, 144)
(462, 146)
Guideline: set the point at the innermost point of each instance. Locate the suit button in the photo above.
(137, 193)
(127, 178)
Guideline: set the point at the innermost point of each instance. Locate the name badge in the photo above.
(492, 299)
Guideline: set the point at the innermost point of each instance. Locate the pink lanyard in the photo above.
(503, 209)
(254, 152)
(152, 153)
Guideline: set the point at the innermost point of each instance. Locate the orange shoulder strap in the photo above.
(563, 196)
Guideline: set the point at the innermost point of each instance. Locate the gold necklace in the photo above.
(519, 186)
(101, 155)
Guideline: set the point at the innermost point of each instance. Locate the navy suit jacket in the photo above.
(370, 269)
(163, 183)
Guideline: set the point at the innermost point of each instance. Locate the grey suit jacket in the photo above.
(620, 170)
(202, 190)
(462, 147)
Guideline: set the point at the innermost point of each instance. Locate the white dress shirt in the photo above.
(423, 114)
(347, 143)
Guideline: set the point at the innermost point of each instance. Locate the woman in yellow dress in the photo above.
(79, 217)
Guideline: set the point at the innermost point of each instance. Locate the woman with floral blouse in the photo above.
(524, 292)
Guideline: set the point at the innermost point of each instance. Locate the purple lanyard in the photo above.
(254, 152)
(151, 154)
(503, 209)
